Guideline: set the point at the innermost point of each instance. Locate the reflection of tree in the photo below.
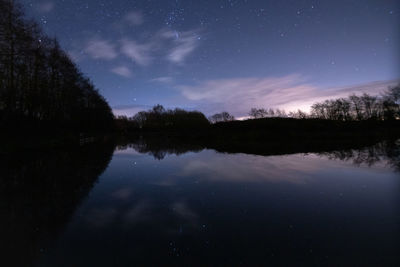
(358, 151)
(160, 147)
(39, 194)
(385, 151)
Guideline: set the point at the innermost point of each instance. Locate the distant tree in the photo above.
(140, 119)
(364, 107)
(370, 104)
(280, 113)
(318, 110)
(221, 117)
(159, 118)
(258, 113)
(298, 114)
(158, 109)
(357, 107)
(271, 112)
(391, 103)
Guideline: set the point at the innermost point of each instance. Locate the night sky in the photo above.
(228, 55)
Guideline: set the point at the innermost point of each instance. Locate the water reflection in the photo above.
(362, 152)
(38, 195)
(385, 152)
(164, 202)
(161, 147)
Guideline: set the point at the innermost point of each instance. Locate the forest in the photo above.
(365, 108)
(384, 107)
(40, 86)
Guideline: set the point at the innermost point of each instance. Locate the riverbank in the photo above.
(258, 136)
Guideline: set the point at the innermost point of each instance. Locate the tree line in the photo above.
(160, 118)
(353, 108)
(385, 107)
(38, 80)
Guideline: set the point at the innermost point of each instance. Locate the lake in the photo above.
(130, 205)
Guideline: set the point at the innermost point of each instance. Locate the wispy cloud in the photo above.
(139, 53)
(75, 55)
(45, 7)
(164, 79)
(164, 45)
(101, 49)
(184, 43)
(222, 167)
(134, 18)
(291, 92)
(122, 71)
(174, 46)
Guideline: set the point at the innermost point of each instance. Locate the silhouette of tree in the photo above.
(258, 113)
(221, 117)
(298, 114)
(364, 107)
(39, 82)
(391, 103)
(159, 118)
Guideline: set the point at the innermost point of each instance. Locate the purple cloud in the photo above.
(291, 92)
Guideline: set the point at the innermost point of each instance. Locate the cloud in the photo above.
(129, 110)
(239, 95)
(134, 18)
(139, 53)
(174, 46)
(45, 7)
(75, 55)
(164, 79)
(184, 43)
(122, 71)
(294, 168)
(101, 49)
(171, 46)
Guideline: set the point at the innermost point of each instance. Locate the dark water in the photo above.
(102, 205)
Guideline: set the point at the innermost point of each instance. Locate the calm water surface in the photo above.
(130, 208)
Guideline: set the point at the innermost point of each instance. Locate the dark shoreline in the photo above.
(260, 136)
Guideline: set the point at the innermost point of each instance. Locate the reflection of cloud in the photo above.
(239, 95)
(122, 71)
(45, 7)
(249, 168)
(181, 209)
(137, 213)
(101, 49)
(123, 193)
(123, 150)
(101, 217)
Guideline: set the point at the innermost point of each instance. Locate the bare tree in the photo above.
(38, 81)
(221, 117)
